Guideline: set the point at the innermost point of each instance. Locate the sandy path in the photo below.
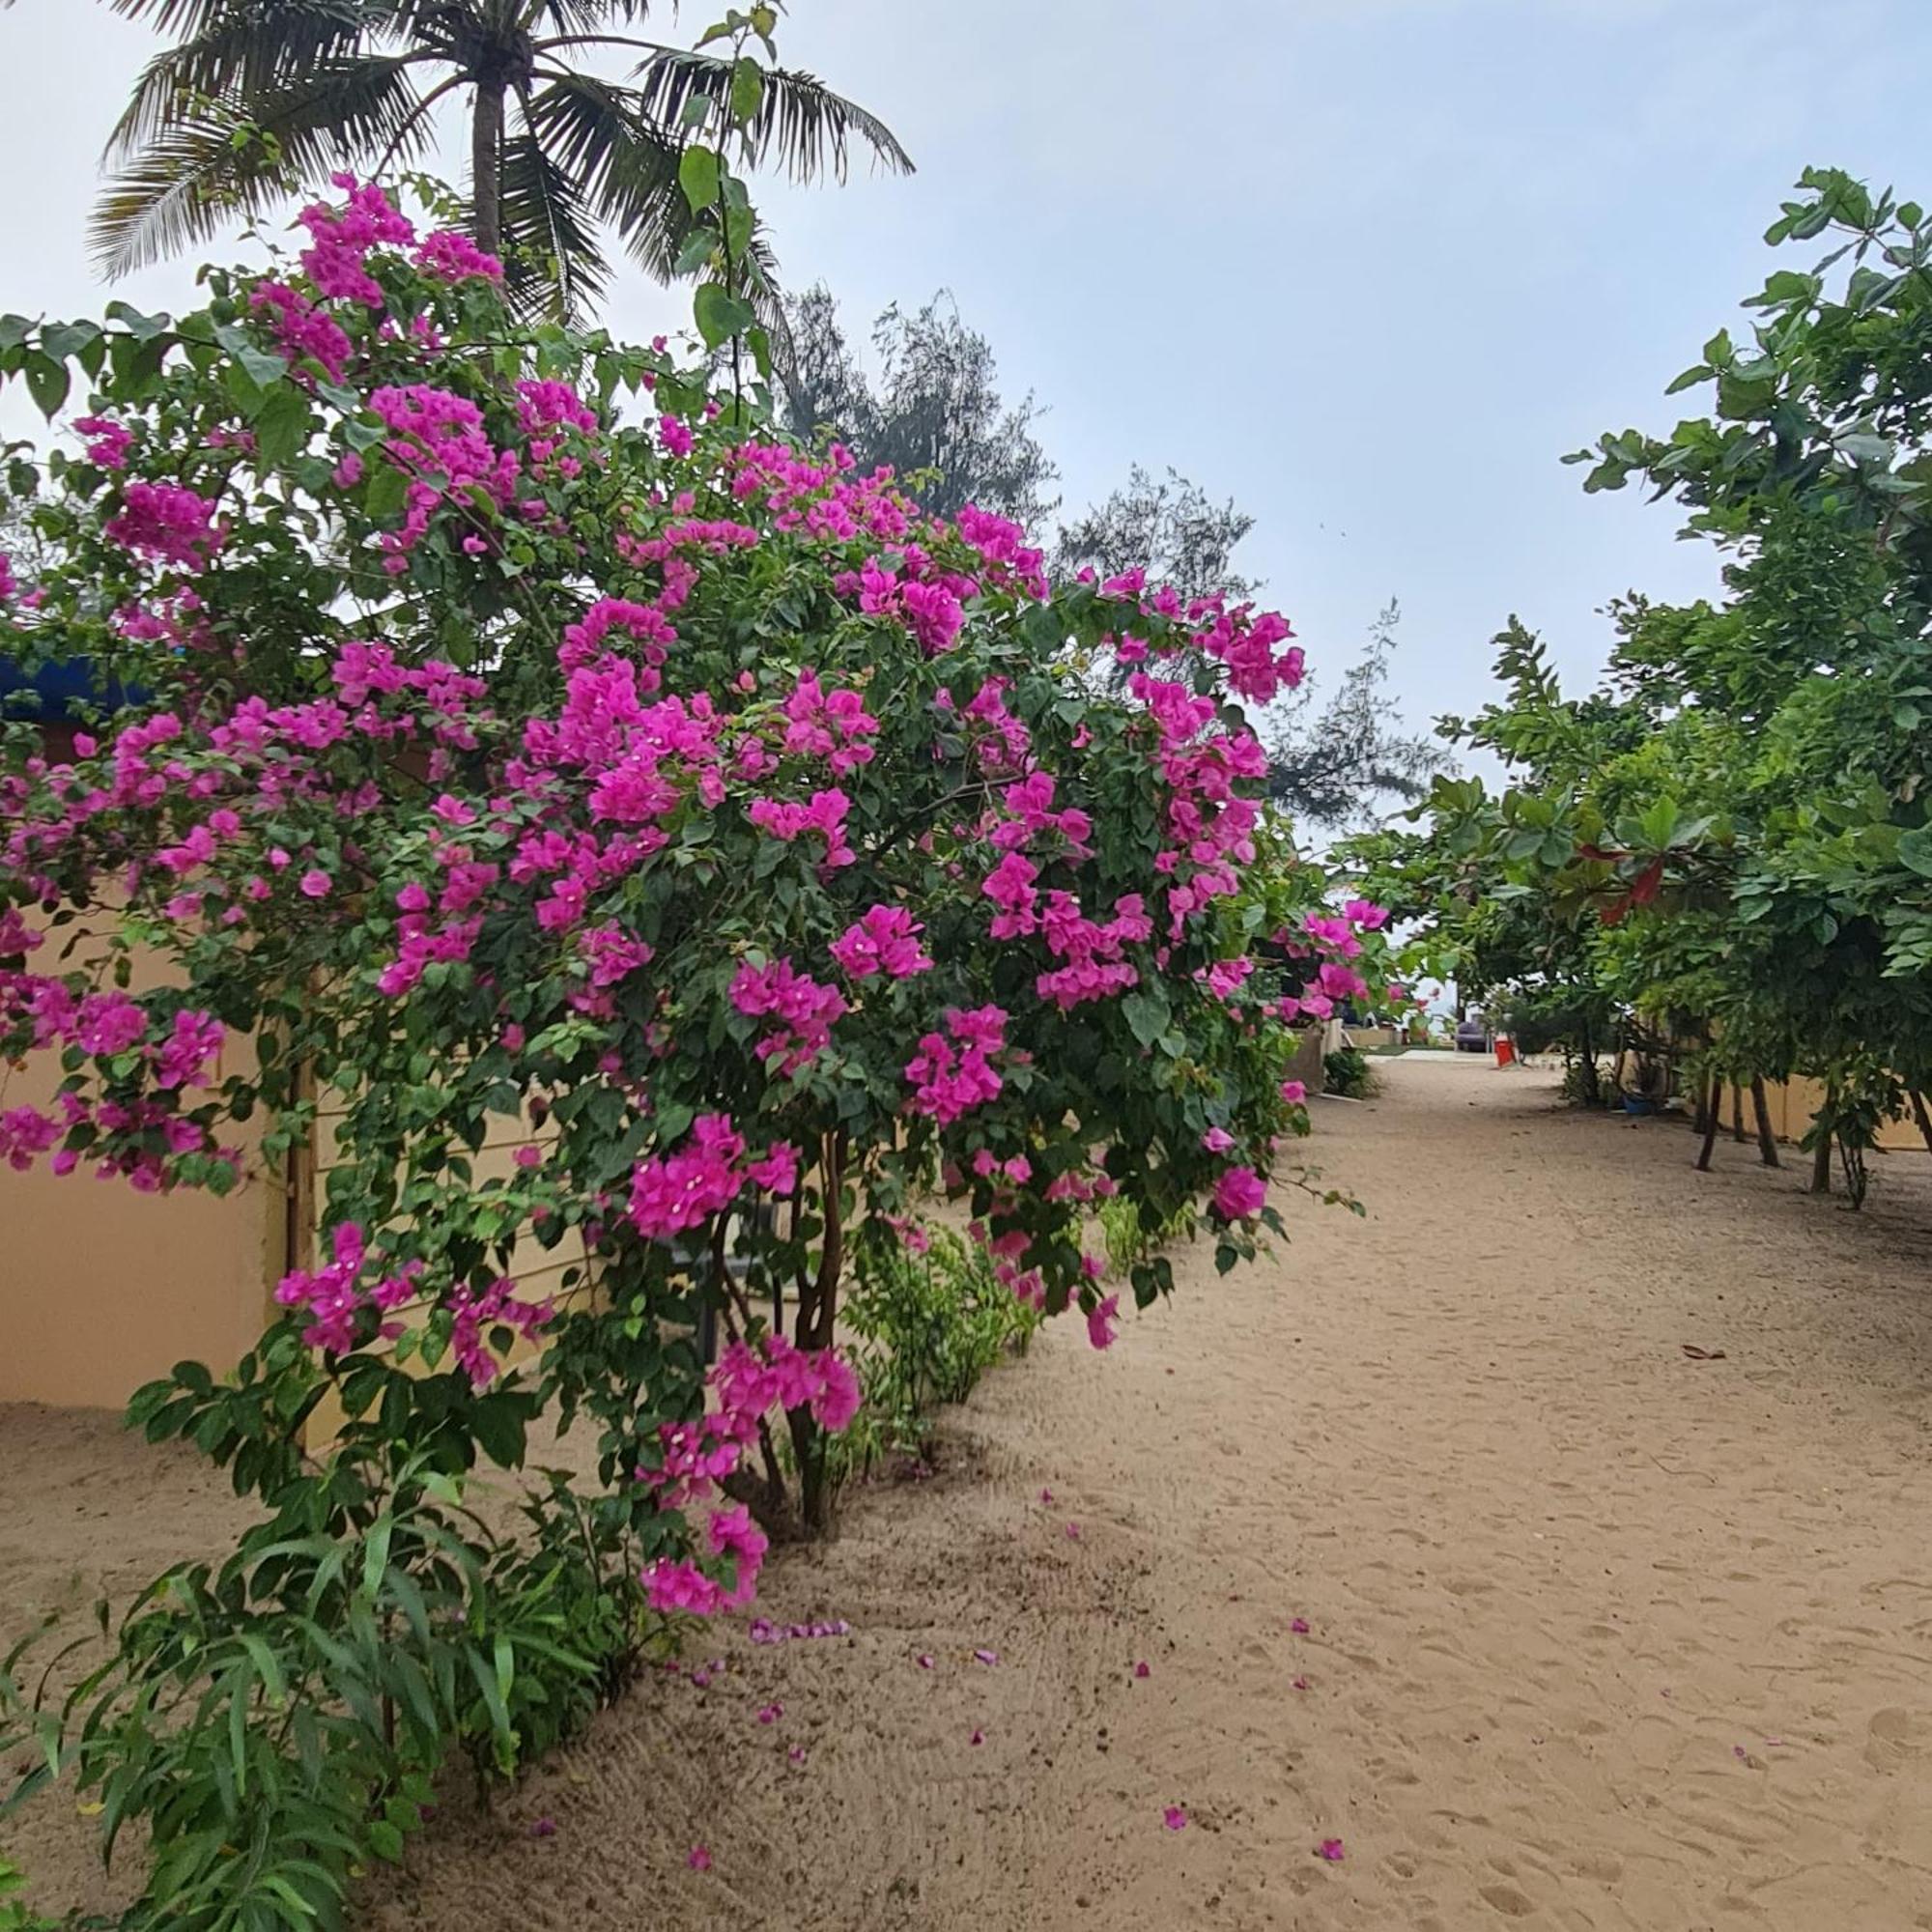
(1600, 1636)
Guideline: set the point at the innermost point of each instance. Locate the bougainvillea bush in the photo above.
(526, 744)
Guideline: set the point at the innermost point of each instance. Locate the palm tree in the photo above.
(257, 96)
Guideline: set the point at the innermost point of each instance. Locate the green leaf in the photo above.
(1914, 851)
(47, 383)
(498, 1423)
(386, 491)
(282, 426)
(64, 339)
(720, 316)
(698, 175)
(748, 88)
(700, 247)
(1146, 1014)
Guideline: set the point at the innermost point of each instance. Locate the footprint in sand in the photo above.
(1892, 1738)
(1507, 1900)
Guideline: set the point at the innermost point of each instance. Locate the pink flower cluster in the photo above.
(438, 440)
(824, 815)
(882, 940)
(953, 1076)
(107, 442)
(805, 1010)
(748, 1383)
(834, 726)
(166, 522)
(341, 239)
(334, 1296)
(451, 256)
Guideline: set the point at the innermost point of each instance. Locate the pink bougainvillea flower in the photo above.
(1100, 1321)
(771, 1713)
(1073, 1532)
(1142, 1669)
(987, 1655)
(1046, 1495)
(1299, 1626)
(924, 1660)
(977, 1738)
(1298, 1684)
(699, 1858)
(1238, 1193)
(1329, 1849)
(1293, 1092)
(1174, 1818)
(796, 1754)
(1217, 1140)
(543, 1827)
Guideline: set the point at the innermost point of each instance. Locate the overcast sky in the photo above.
(1368, 266)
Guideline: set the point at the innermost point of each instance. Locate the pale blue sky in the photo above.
(1369, 266)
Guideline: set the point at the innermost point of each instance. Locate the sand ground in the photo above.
(1600, 1635)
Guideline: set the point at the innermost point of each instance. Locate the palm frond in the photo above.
(552, 262)
(225, 158)
(598, 133)
(800, 123)
(245, 51)
(184, 186)
(586, 16)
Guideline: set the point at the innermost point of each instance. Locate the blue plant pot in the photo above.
(1635, 1104)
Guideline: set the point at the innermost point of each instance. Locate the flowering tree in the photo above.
(677, 801)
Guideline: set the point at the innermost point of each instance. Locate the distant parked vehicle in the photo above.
(1472, 1036)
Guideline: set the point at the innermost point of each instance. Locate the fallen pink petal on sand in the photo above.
(1073, 1530)
(1046, 1495)
(1329, 1849)
(771, 1713)
(924, 1660)
(544, 1828)
(701, 1678)
(977, 1738)
(1739, 1752)
(1175, 1819)
(1299, 1683)
(1299, 1626)
(699, 1858)
(1142, 1669)
(796, 1756)
(987, 1655)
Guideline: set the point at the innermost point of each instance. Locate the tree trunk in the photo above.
(1704, 1109)
(1852, 1158)
(1737, 1134)
(1920, 1114)
(1714, 1114)
(1821, 1165)
(1767, 1141)
(486, 165)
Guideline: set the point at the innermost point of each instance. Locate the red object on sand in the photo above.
(1505, 1052)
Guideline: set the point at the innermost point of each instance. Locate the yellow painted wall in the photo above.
(1794, 1102)
(102, 1288)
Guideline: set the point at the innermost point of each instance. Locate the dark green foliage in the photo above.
(1347, 1071)
(935, 414)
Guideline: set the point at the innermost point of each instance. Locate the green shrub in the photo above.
(1347, 1072)
(1129, 1244)
(930, 1325)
